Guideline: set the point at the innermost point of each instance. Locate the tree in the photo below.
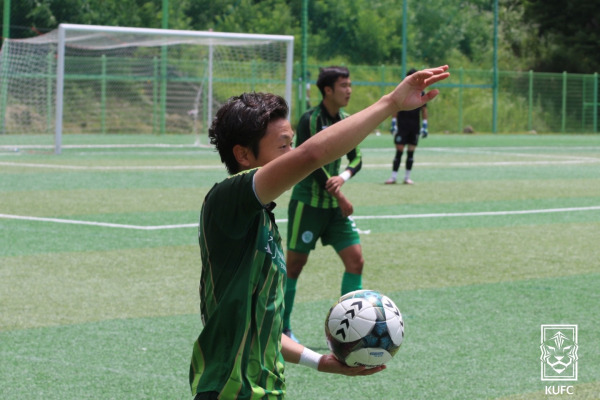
(34, 17)
(568, 33)
(555, 36)
(249, 16)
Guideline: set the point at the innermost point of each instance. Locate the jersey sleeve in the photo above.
(354, 160)
(232, 205)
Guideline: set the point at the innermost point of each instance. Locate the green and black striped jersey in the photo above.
(311, 190)
(238, 352)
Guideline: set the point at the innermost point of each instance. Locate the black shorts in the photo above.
(406, 137)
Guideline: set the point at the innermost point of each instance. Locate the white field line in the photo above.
(203, 146)
(111, 168)
(92, 223)
(489, 149)
(212, 167)
(358, 217)
(552, 159)
(105, 146)
(490, 163)
(481, 213)
(495, 152)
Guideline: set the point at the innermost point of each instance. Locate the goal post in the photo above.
(102, 79)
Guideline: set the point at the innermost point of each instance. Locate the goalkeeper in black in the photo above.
(405, 128)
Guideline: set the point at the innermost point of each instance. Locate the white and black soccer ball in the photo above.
(364, 327)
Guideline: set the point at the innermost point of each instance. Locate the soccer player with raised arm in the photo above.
(241, 352)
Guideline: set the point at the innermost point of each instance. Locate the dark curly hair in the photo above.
(243, 120)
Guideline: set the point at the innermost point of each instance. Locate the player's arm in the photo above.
(345, 205)
(303, 133)
(334, 183)
(321, 175)
(284, 172)
(296, 353)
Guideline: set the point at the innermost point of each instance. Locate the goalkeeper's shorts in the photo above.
(404, 137)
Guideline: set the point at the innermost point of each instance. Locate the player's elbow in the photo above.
(311, 156)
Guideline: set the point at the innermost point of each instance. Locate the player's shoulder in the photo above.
(308, 116)
(233, 182)
(311, 112)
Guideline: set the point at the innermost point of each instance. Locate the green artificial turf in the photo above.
(99, 266)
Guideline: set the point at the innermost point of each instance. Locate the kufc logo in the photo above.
(559, 352)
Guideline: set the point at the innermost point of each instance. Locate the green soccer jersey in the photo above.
(238, 352)
(311, 190)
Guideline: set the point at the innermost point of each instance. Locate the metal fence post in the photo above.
(530, 112)
(595, 105)
(564, 102)
(103, 96)
(49, 86)
(460, 99)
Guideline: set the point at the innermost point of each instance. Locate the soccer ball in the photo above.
(364, 327)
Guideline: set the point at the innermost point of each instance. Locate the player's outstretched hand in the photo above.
(407, 95)
(329, 363)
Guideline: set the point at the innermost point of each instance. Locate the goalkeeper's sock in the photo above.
(290, 295)
(351, 282)
(397, 160)
(410, 159)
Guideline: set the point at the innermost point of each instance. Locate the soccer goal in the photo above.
(119, 80)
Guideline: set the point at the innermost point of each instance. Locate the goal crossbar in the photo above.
(176, 36)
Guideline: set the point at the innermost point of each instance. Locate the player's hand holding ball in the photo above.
(364, 328)
(330, 363)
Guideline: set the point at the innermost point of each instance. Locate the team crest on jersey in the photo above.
(307, 236)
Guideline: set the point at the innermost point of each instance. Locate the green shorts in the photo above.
(307, 224)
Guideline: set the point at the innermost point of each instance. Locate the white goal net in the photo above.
(116, 80)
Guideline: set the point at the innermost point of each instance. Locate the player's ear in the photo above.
(241, 154)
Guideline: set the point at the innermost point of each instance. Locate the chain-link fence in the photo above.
(526, 102)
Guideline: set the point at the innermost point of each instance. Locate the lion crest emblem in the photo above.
(559, 353)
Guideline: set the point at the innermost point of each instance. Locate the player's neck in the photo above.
(332, 108)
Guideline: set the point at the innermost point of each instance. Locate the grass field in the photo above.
(99, 266)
